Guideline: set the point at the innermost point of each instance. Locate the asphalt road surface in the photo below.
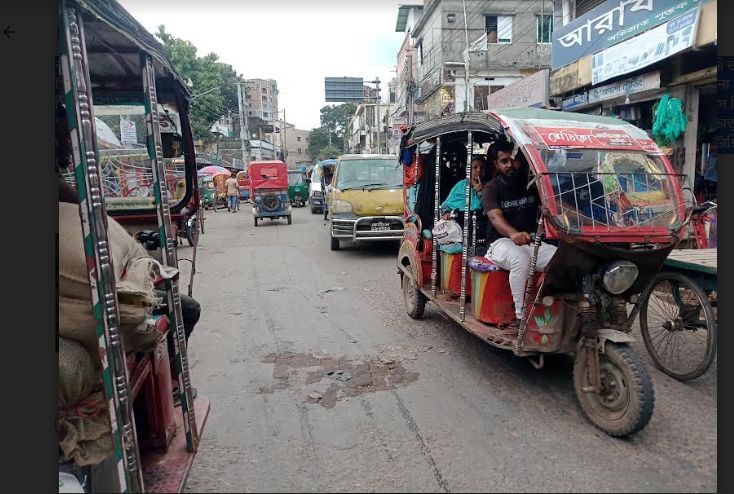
(319, 381)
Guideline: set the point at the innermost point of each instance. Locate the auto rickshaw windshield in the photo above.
(295, 178)
(603, 188)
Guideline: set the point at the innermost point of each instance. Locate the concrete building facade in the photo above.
(509, 40)
(262, 98)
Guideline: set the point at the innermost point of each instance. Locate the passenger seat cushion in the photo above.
(482, 264)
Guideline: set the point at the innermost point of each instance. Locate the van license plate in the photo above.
(380, 227)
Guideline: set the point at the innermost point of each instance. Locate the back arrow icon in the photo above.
(7, 31)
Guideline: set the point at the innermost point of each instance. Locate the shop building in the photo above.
(621, 57)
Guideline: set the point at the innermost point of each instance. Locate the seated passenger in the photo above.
(513, 210)
(456, 200)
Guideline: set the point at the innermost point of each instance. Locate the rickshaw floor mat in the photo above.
(325, 379)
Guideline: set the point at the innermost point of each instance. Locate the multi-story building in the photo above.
(262, 98)
(294, 141)
(619, 58)
(362, 132)
(406, 110)
(508, 39)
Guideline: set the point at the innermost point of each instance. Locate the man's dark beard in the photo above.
(513, 178)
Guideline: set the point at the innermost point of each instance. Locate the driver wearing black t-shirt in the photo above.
(512, 210)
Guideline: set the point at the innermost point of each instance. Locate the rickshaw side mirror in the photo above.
(172, 145)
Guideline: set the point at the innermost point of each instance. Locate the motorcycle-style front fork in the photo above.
(589, 334)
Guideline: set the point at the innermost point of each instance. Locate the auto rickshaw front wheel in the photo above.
(625, 402)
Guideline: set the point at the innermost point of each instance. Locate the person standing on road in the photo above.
(512, 210)
(233, 193)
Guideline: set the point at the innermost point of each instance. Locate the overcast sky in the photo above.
(297, 43)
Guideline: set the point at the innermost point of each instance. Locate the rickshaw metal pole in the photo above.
(436, 213)
(165, 232)
(529, 287)
(465, 246)
(77, 88)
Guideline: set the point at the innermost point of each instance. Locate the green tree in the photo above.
(329, 152)
(317, 140)
(336, 119)
(206, 74)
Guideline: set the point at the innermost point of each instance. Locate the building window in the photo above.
(298, 138)
(544, 28)
(265, 90)
(480, 97)
(498, 28)
(420, 52)
(494, 89)
(299, 150)
(306, 139)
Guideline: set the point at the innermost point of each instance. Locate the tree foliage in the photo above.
(206, 74)
(318, 140)
(336, 118)
(329, 152)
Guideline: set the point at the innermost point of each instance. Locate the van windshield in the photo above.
(369, 173)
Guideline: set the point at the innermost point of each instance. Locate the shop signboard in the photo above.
(531, 91)
(610, 23)
(575, 101)
(625, 87)
(646, 49)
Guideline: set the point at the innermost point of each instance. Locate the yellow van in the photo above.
(365, 199)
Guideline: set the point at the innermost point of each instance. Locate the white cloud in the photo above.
(296, 43)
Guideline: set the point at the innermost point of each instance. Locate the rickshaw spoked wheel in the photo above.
(625, 402)
(415, 301)
(678, 326)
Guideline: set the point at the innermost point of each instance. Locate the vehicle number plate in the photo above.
(380, 227)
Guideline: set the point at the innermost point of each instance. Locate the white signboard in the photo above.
(649, 47)
(128, 133)
(624, 87)
(527, 92)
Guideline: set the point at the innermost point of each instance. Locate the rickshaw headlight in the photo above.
(619, 276)
(342, 206)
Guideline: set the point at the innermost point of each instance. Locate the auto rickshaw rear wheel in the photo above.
(334, 242)
(415, 301)
(256, 221)
(290, 219)
(625, 402)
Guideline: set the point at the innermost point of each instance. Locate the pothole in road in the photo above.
(326, 380)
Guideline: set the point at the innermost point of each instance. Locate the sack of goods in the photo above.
(83, 420)
(135, 273)
(447, 232)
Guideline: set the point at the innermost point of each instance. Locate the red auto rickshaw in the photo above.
(612, 204)
(269, 190)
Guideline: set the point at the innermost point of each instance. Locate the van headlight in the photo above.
(342, 207)
(619, 276)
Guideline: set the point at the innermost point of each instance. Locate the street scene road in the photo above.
(319, 381)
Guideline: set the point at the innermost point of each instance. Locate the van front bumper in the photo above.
(361, 228)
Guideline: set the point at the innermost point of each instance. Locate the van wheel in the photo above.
(626, 400)
(415, 301)
(334, 242)
(313, 210)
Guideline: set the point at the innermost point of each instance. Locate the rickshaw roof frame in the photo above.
(115, 46)
(508, 123)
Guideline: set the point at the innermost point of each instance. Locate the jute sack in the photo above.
(83, 420)
(135, 274)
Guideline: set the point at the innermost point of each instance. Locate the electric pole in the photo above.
(244, 131)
